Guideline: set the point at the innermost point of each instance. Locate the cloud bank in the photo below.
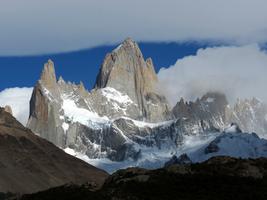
(37, 26)
(18, 99)
(239, 72)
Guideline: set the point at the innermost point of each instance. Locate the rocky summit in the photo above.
(126, 71)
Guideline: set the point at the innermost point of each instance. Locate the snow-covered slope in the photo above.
(232, 143)
(149, 157)
(198, 148)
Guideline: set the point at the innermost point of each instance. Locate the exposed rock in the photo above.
(182, 160)
(48, 77)
(250, 115)
(126, 71)
(210, 110)
(214, 111)
(212, 147)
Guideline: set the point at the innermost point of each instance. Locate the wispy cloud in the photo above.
(37, 26)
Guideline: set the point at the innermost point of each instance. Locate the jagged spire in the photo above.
(126, 59)
(129, 41)
(81, 85)
(61, 80)
(125, 70)
(149, 62)
(48, 76)
(82, 88)
(181, 102)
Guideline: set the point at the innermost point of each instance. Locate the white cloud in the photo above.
(18, 99)
(239, 72)
(38, 26)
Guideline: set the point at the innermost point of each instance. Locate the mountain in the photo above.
(114, 118)
(125, 117)
(126, 71)
(209, 109)
(214, 111)
(29, 163)
(250, 115)
(220, 178)
(232, 142)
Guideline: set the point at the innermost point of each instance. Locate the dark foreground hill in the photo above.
(218, 178)
(30, 164)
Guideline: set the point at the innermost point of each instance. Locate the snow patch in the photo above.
(143, 124)
(83, 116)
(114, 95)
(47, 94)
(239, 145)
(65, 127)
(70, 151)
(231, 129)
(117, 48)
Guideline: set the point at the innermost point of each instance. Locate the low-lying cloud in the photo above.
(37, 26)
(18, 99)
(237, 71)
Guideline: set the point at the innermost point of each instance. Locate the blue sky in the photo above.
(84, 65)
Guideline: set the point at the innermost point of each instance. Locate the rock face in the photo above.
(29, 163)
(214, 111)
(44, 117)
(250, 115)
(210, 109)
(182, 160)
(48, 77)
(126, 71)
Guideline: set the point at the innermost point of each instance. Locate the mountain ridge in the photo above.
(29, 163)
